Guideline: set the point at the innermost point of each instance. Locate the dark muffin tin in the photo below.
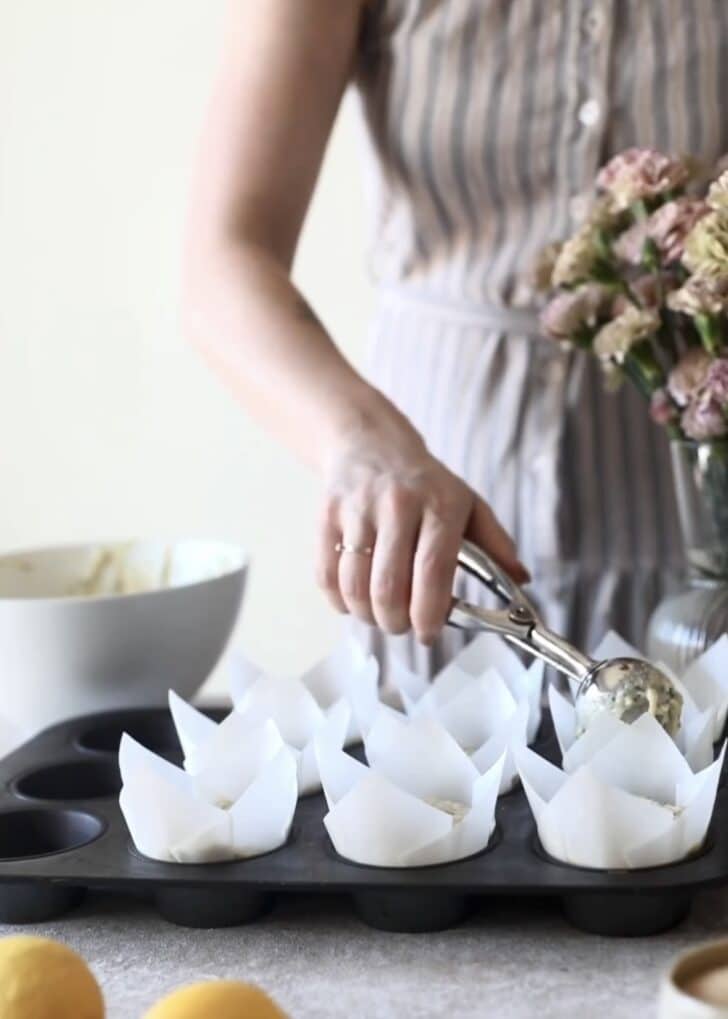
(61, 833)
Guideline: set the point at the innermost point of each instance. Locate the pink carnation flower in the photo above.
(615, 339)
(718, 193)
(701, 295)
(637, 174)
(662, 408)
(704, 419)
(572, 311)
(539, 276)
(688, 376)
(667, 227)
(716, 381)
(704, 416)
(630, 244)
(648, 289)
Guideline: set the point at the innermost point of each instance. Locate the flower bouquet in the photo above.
(643, 285)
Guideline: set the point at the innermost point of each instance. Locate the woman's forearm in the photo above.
(399, 513)
(260, 334)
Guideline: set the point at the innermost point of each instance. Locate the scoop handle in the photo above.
(519, 622)
(479, 564)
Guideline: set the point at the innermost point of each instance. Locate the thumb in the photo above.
(484, 529)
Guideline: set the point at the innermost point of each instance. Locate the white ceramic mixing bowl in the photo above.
(63, 653)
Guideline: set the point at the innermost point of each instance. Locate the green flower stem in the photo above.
(666, 338)
(651, 261)
(719, 452)
(710, 333)
(650, 255)
(666, 341)
(623, 287)
(602, 271)
(639, 210)
(690, 336)
(659, 288)
(641, 367)
(583, 338)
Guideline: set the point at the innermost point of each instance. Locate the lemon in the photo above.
(223, 999)
(43, 979)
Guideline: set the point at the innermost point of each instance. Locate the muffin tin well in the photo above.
(62, 833)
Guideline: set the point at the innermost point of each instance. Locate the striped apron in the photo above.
(486, 121)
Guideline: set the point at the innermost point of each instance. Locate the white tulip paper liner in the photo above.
(485, 656)
(301, 705)
(298, 716)
(382, 815)
(633, 802)
(348, 673)
(480, 713)
(706, 680)
(351, 674)
(235, 798)
(289, 706)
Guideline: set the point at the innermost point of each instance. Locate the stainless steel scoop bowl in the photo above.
(626, 687)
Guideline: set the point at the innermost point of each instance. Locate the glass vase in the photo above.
(685, 624)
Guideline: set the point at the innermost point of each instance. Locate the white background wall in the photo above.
(109, 425)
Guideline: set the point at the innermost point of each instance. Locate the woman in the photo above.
(488, 120)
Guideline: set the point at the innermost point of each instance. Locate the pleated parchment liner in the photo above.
(421, 800)
(428, 792)
(301, 705)
(236, 793)
(631, 796)
(490, 661)
(235, 797)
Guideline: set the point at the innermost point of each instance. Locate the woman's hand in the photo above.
(387, 493)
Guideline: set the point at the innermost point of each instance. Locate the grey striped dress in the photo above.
(486, 122)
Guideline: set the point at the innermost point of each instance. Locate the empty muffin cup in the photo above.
(26, 834)
(36, 831)
(71, 780)
(154, 729)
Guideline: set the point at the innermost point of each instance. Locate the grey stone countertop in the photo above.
(512, 959)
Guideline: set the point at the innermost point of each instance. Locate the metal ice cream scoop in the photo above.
(627, 687)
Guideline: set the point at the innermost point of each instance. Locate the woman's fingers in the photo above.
(389, 540)
(355, 563)
(391, 577)
(327, 558)
(434, 571)
(436, 561)
(483, 528)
